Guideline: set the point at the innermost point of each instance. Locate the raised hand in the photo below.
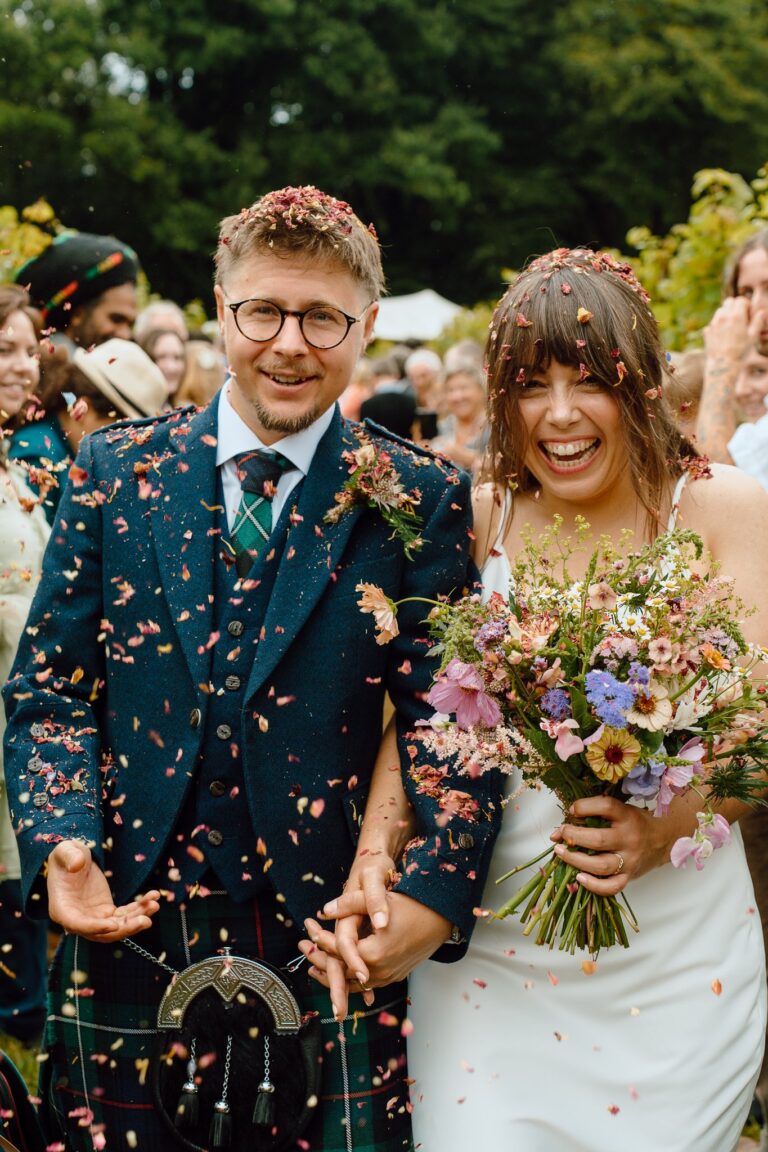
(80, 899)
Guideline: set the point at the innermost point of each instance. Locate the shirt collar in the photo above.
(234, 436)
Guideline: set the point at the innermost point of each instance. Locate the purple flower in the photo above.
(639, 674)
(556, 703)
(609, 697)
(489, 634)
(460, 689)
(644, 779)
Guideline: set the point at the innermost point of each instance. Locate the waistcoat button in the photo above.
(195, 717)
(466, 841)
(235, 627)
(232, 683)
(217, 787)
(215, 837)
(223, 731)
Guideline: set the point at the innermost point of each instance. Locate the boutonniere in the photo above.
(375, 482)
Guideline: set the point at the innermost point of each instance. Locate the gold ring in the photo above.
(620, 865)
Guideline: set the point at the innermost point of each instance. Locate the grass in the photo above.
(24, 1058)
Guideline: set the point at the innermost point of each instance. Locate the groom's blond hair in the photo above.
(306, 222)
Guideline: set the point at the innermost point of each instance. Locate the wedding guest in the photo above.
(360, 388)
(518, 1045)
(205, 374)
(463, 437)
(166, 347)
(463, 352)
(739, 325)
(164, 314)
(23, 536)
(85, 288)
(423, 370)
(114, 380)
(205, 698)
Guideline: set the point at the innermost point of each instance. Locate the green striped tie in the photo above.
(258, 472)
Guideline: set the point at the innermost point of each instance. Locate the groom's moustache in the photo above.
(290, 368)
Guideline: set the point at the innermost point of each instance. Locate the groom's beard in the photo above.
(272, 421)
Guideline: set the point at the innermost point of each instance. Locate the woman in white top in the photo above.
(23, 535)
(655, 1048)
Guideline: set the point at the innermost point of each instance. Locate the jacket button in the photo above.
(232, 683)
(223, 731)
(215, 837)
(465, 840)
(235, 627)
(40, 800)
(195, 718)
(217, 787)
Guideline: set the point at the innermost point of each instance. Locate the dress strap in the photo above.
(506, 508)
(672, 522)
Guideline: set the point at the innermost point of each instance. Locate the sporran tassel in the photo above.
(221, 1126)
(264, 1112)
(188, 1107)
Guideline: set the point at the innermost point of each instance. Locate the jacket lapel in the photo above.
(312, 551)
(183, 530)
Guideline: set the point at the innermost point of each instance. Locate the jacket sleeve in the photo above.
(52, 743)
(447, 864)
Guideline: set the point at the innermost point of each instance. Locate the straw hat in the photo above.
(126, 376)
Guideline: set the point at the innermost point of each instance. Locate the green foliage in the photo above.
(472, 132)
(683, 270)
(469, 324)
(24, 235)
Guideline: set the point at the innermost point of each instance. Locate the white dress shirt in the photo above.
(234, 436)
(748, 449)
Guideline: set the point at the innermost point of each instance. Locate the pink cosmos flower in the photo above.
(460, 689)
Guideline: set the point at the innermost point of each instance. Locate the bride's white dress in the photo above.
(520, 1048)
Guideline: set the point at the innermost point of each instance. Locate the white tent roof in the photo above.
(419, 316)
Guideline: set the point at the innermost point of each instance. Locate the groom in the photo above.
(196, 706)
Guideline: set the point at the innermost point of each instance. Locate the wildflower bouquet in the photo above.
(635, 682)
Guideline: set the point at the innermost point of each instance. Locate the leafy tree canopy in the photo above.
(472, 133)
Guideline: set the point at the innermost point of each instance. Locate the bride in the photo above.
(655, 1048)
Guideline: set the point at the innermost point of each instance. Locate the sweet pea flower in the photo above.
(713, 832)
(460, 690)
(677, 777)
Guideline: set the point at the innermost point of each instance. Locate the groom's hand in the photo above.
(80, 899)
(413, 933)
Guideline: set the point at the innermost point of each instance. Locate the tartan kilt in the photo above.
(101, 1033)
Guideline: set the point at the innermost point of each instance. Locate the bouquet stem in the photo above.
(560, 910)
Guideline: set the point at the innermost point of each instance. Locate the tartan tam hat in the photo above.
(126, 376)
(76, 268)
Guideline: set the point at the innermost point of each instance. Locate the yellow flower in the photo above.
(613, 755)
(384, 611)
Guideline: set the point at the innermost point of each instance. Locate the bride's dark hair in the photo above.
(586, 310)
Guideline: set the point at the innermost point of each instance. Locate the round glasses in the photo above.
(321, 326)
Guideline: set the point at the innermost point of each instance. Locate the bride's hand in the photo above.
(632, 842)
(363, 905)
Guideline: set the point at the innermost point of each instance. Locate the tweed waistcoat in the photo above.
(215, 830)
